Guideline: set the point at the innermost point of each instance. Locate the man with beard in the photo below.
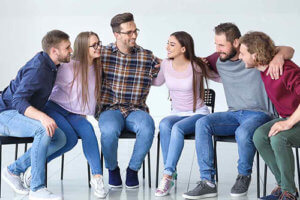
(249, 108)
(21, 114)
(128, 70)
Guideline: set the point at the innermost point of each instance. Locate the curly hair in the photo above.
(260, 44)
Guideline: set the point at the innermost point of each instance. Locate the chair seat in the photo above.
(15, 140)
(230, 138)
(127, 134)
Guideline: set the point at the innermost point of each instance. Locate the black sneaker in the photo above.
(114, 179)
(241, 186)
(202, 190)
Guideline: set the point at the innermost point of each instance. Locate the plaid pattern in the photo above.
(126, 79)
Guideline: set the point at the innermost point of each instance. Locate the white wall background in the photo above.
(23, 23)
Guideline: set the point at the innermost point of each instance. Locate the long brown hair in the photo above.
(81, 55)
(201, 74)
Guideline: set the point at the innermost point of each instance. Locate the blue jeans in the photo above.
(15, 124)
(112, 123)
(74, 126)
(241, 124)
(172, 131)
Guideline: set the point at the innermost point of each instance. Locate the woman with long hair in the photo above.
(75, 94)
(185, 76)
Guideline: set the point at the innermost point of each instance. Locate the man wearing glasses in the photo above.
(128, 70)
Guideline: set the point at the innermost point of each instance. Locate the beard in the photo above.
(230, 55)
(65, 59)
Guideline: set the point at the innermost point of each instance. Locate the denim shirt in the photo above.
(32, 85)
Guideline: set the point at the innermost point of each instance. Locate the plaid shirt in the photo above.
(126, 79)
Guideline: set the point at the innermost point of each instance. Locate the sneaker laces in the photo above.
(276, 191)
(243, 180)
(287, 196)
(99, 183)
(164, 183)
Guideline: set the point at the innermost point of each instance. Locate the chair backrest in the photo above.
(209, 98)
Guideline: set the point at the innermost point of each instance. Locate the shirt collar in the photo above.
(50, 62)
(114, 48)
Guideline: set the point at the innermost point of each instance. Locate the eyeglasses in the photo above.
(96, 45)
(130, 33)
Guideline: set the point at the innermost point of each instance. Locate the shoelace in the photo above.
(98, 183)
(163, 185)
(242, 179)
(201, 184)
(287, 196)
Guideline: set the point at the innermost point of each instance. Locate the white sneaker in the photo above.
(14, 181)
(43, 194)
(98, 185)
(27, 178)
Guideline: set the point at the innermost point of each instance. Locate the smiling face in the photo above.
(63, 51)
(94, 47)
(249, 59)
(174, 48)
(226, 49)
(127, 35)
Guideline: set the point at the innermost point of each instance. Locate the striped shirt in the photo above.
(126, 79)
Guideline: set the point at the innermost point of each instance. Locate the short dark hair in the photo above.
(52, 39)
(119, 19)
(230, 30)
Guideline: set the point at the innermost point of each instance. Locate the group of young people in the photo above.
(54, 92)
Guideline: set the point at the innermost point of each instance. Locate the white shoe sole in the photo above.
(161, 195)
(115, 186)
(40, 198)
(238, 195)
(13, 186)
(200, 197)
(132, 187)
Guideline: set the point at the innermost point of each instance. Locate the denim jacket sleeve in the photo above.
(30, 83)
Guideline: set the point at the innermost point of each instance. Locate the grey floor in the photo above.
(74, 186)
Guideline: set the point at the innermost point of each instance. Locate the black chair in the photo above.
(131, 135)
(232, 139)
(62, 169)
(5, 140)
(266, 170)
(209, 100)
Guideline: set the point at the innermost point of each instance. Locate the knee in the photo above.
(277, 141)
(165, 126)
(146, 125)
(259, 138)
(202, 126)
(177, 130)
(110, 129)
(244, 138)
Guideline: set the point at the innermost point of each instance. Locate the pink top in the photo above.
(70, 97)
(180, 85)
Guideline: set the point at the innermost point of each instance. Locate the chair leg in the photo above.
(25, 147)
(157, 161)
(298, 168)
(215, 161)
(16, 152)
(62, 167)
(46, 174)
(149, 170)
(144, 169)
(258, 181)
(265, 180)
(89, 175)
(102, 160)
